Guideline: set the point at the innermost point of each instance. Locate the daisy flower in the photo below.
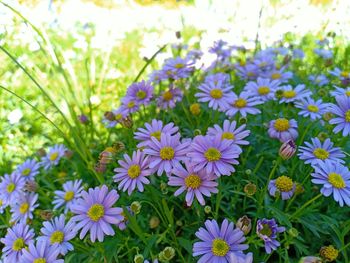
(217, 91)
(112, 118)
(53, 156)
(241, 258)
(42, 252)
(178, 68)
(316, 153)
(319, 80)
(141, 92)
(265, 62)
(57, 232)
(71, 192)
(24, 206)
(298, 53)
(130, 104)
(154, 129)
(94, 213)
(341, 92)
(247, 72)
(231, 132)
(196, 184)
(341, 74)
(278, 74)
(267, 230)
(11, 187)
(243, 104)
(323, 53)
(311, 108)
(17, 238)
(291, 95)
(29, 169)
(214, 155)
(217, 243)
(282, 185)
(342, 110)
(133, 172)
(283, 129)
(335, 179)
(264, 89)
(169, 98)
(167, 153)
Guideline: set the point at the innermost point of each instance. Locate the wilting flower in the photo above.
(243, 104)
(213, 154)
(133, 172)
(167, 153)
(94, 213)
(335, 179)
(53, 156)
(231, 132)
(218, 242)
(316, 152)
(283, 129)
(29, 169)
(24, 206)
(245, 224)
(16, 240)
(342, 110)
(11, 187)
(267, 230)
(292, 95)
(196, 184)
(42, 252)
(264, 89)
(112, 118)
(141, 92)
(58, 232)
(282, 185)
(154, 129)
(169, 98)
(287, 149)
(311, 108)
(71, 192)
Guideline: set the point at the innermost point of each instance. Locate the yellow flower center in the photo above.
(227, 136)
(336, 180)
(141, 94)
(344, 74)
(39, 260)
(18, 244)
(167, 95)
(266, 230)
(69, 195)
(195, 109)
(288, 94)
(53, 156)
(321, 153)
(57, 237)
(250, 74)
(284, 183)
(95, 212)
(220, 247)
(212, 154)
(312, 108)
(131, 104)
(347, 116)
(156, 134)
(216, 93)
(167, 153)
(276, 75)
(193, 181)
(281, 124)
(26, 172)
(329, 253)
(347, 93)
(179, 65)
(10, 187)
(263, 90)
(24, 208)
(134, 171)
(118, 116)
(1, 202)
(240, 103)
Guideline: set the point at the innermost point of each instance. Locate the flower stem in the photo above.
(304, 206)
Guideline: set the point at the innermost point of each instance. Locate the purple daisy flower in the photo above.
(130, 104)
(278, 74)
(283, 185)
(94, 213)
(316, 153)
(24, 206)
(196, 184)
(57, 232)
(298, 53)
(71, 192)
(231, 132)
(133, 172)
(311, 108)
(53, 156)
(264, 89)
(241, 258)
(167, 153)
(169, 98)
(283, 129)
(112, 118)
(267, 230)
(323, 53)
(293, 95)
(335, 179)
(340, 92)
(29, 169)
(319, 80)
(243, 104)
(154, 129)
(214, 154)
(342, 110)
(16, 240)
(218, 242)
(42, 252)
(11, 187)
(247, 72)
(341, 74)
(178, 68)
(141, 92)
(265, 62)
(217, 91)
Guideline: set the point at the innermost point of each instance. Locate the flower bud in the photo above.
(328, 62)
(62, 174)
(242, 120)
(164, 187)
(167, 254)
(83, 119)
(293, 232)
(197, 132)
(100, 167)
(138, 258)
(31, 186)
(127, 122)
(329, 253)
(41, 152)
(68, 154)
(195, 109)
(248, 172)
(322, 92)
(135, 207)
(327, 116)
(154, 222)
(245, 224)
(322, 136)
(207, 209)
(279, 94)
(178, 34)
(287, 150)
(109, 115)
(310, 259)
(118, 146)
(250, 189)
(299, 189)
(46, 214)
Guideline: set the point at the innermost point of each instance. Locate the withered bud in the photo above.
(250, 189)
(245, 224)
(127, 122)
(109, 115)
(287, 150)
(41, 152)
(31, 186)
(46, 214)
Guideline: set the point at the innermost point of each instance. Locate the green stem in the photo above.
(304, 206)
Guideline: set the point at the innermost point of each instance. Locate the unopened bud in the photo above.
(345, 82)
(100, 168)
(287, 150)
(164, 187)
(135, 207)
(62, 174)
(167, 254)
(322, 92)
(31, 186)
(138, 258)
(83, 119)
(310, 259)
(250, 189)
(197, 132)
(299, 189)
(242, 120)
(127, 122)
(46, 214)
(178, 34)
(118, 146)
(109, 115)
(293, 232)
(68, 154)
(248, 172)
(41, 152)
(279, 94)
(244, 224)
(327, 116)
(154, 222)
(195, 109)
(207, 209)
(322, 136)
(328, 62)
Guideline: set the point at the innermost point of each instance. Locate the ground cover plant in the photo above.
(240, 159)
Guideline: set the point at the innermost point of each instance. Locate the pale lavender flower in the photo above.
(341, 74)
(283, 129)
(141, 92)
(340, 92)
(29, 169)
(323, 53)
(243, 104)
(278, 74)
(11, 187)
(319, 80)
(230, 131)
(264, 89)
(342, 110)
(53, 156)
(298, 53)
(293, 95)
(169, 98)
(311, 108)
(178, 68)
(130, 104)
(265, 62)
(241, 258)
(267, 230)
(71, 192)
(283, 185)
(42, 252)
(23, 207)
(248, 71)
